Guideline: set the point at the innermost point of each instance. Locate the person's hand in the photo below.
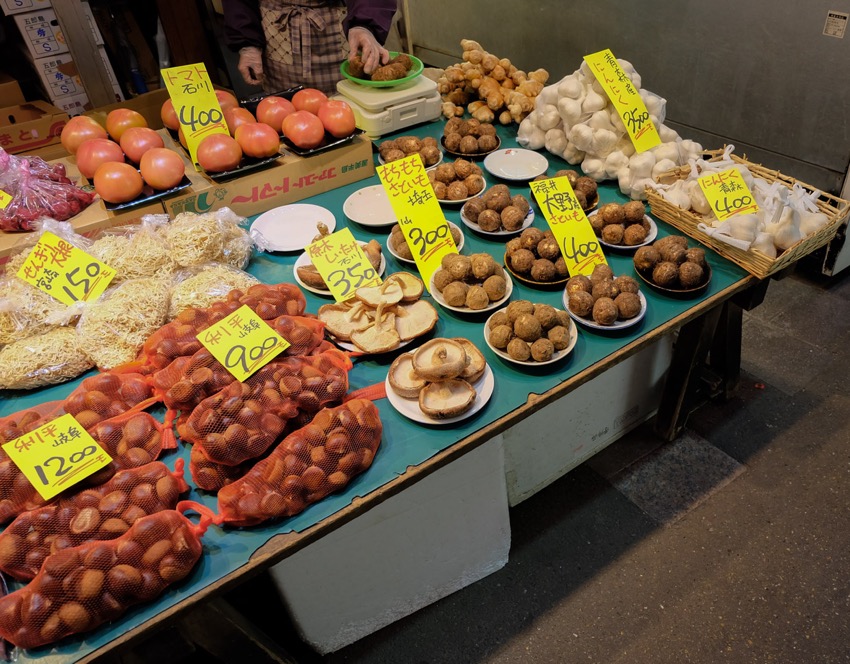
(373, 54)
(251, 65)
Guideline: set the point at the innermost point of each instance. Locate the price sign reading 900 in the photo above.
(243, 342)
(418, 212)
(64, 271)
(342, 263)
(195, 104)
(728, 194)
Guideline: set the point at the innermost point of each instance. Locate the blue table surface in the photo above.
(405, 443)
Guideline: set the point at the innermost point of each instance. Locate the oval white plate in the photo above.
(557, 355)
(617, 325)
(650, 236)
(516, 164)
(459, 201)
(291, 227)
(347, 345)
(412, 262)
(304, 260)
(438, 296)
(529, 219)
(370, 206)
(410, 407)
(427, 168)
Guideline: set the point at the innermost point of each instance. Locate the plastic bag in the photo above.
(101, 513)
(306, 466)
(206, 284)
(43, 359)
(134, 251)
(195, 239)
(80, 588)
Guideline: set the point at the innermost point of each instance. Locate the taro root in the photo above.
(634, 234)
(581, 303)
(542, 350)
(543, 270)
(579, 283)
(691, 275)
(500, 336)
(601, 272)
(519, 350)
(495, 287)
(634, 211)
(605, 312)
(522, 261)
(559, 336)
(613, 234)
(646, 258)
(477, 298)
(517, 308)
(666, 274)
(696, 255)
(527, 327)
(472, 208)
(628, 305)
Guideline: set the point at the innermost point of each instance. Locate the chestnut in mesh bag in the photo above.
(306, 466)
(179, 337)
(100, 513)
(80, 588)
(211, 476)
(107, 395)
(243, 420)
(23, 421)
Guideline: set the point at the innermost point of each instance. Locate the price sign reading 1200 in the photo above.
(569, 224)
(728, 194)
(243, 342)
(195, 103)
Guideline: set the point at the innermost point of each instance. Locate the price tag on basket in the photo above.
(573, 232)
(195, 103)
(343, 264)
(626, 99)
(64, 271)
(419, 214)
(57, 455)
(728, 194)
(243, 342)
(5, 199)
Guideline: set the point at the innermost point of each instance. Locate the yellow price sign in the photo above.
(573, 232)
(243, 342)
(57, 455)
(626, 99)
(728, 194)
(195, 103)
(419, 214)
(5, 199)
(343, 264)
(64, 271)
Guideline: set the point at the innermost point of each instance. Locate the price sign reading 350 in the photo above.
(728, 194)
(57, 455)
(243, 342)
(343, 264)
(62, 270)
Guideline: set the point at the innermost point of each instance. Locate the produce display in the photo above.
(603, 298)
(456, 181)
(535, 256)
(528, 331)
(471, 282)
(396, 68)
(404, 146)
(496, 210)
(585, 188)
(670, 264)
(623, 225)
(470, 136)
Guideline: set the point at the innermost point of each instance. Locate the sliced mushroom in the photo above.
(341, 320)
(475, 361)
(439, 359)
(379, 337)
(412, 286)
(446, 398)
(414, 320)
(403, 378)
(388, 292)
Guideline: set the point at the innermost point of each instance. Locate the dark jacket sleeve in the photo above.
(376, 15)
(242, 24)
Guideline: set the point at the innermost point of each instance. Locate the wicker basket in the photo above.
(752, 261)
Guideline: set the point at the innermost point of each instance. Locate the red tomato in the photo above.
(78, 130)
(236, 117)
(272, 110)
(97, 151)
(162, 168)
(169, 115)
(219, 152)
(117, 183)
(304, 129)
(309, 99)
(138, 140)
(337, 117)
(121, 119)
(226, 100)
(258, 140)
(182, 138)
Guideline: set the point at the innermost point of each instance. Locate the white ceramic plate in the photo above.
(438, 297)
(410, 407)
(617, 325)
(291, 227)
(557, 355)
(370, 207)
(516, 164)
(304, 260)
(427, 168)
(412, 262)
(529, 219)
(347, 345)
(650, 237)
(459, 201)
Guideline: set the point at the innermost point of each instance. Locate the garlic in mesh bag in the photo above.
(205, 284)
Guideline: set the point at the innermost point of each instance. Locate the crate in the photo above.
(754, 262)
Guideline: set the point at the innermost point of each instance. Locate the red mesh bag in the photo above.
(80, 588)
(306, 466)
(179, 337)
(23, 421)
(101, 513)
(211, 476)
(107, 395)
(243, 420)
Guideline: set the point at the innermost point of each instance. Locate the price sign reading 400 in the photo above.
(195, 103)
(64, 271)
(57, 455)
(626, 99)
(728, 194)
(343, 264)
(243, 342)
(419, 215)
(572, 230)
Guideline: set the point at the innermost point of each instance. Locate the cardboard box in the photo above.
(41, 32)
(290, 179)
(74, 104)
(11, 7)
(60, 78)
(29, 126)
(48, 152)
(10, 91)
